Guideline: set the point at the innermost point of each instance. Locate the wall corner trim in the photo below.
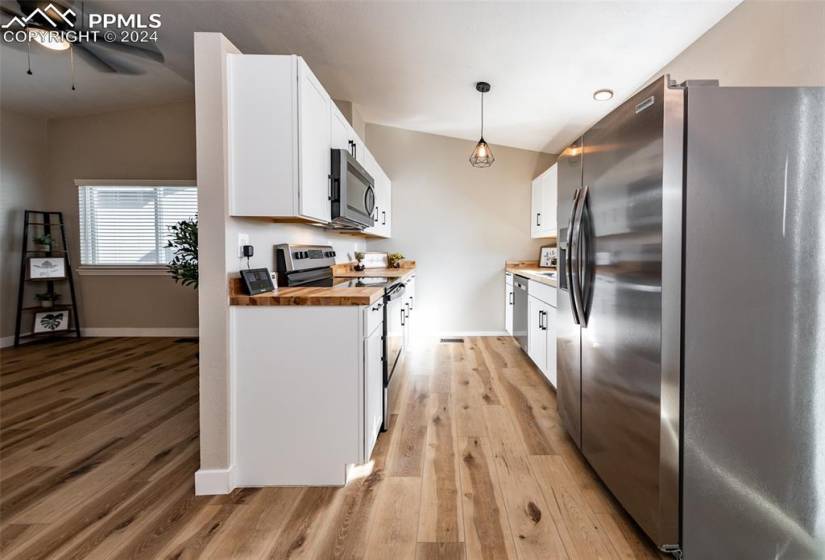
(209, 482)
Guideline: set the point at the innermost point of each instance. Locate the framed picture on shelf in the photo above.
(47, 268)
(51, 321)
(547, 256)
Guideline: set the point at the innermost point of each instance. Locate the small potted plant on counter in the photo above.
(47, 299)
(359, 261)
(43, 242)
(394, 260)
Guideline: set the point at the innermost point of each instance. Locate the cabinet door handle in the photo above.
(538, 219)
(329, 187)
(402, 317)
(512, 298)
(412, 301)
(384, 218)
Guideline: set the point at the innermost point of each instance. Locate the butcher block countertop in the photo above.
(334, 295)
(346, 271)
(531, 270)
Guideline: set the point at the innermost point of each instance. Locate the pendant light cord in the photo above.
(482, 115)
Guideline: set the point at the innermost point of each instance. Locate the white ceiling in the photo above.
(406, 64)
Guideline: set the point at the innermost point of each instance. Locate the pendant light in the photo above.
(482, 156)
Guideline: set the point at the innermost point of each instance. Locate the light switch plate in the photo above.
(243, 239)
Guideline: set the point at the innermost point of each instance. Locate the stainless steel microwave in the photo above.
(352, 193)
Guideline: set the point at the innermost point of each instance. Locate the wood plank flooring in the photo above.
(99, 445)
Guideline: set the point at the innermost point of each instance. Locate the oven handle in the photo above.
(396, 291)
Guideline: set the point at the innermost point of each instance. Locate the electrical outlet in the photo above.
(243, 239)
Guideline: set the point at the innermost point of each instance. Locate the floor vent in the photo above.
(461, 340)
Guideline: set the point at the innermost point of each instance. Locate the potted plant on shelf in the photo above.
(394, 260)
(359, 261)
(183, 267)
(43, 242)
(47, 299)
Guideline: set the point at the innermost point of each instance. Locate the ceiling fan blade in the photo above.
(150, 53)
(9, 12)
(94, 61)
(106, 63)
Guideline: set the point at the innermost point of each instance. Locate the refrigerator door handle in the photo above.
(568, 258)
(576, 270)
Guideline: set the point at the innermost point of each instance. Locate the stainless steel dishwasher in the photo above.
(520, 310)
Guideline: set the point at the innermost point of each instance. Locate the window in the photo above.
(128, 225)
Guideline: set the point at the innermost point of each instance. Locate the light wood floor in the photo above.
(99, 445)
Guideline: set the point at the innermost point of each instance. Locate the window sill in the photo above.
(122, 270)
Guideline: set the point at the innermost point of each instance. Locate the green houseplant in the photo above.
(184, 244)
(394, 260)
(359, 260)
(47, 299)
(44, 242)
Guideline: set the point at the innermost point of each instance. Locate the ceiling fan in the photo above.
(39, 17)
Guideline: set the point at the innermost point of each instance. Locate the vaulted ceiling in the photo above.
(406, 64)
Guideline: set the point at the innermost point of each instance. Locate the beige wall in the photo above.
(147, 143)
(459, 223)
(759, 43)
(22, 186)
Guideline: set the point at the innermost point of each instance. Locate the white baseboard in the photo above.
(127, 331)
(209, 482)
(178, 332)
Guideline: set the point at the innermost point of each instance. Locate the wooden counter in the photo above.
(531, 270)
(333, 295)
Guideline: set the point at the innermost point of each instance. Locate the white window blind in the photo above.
(129, 225)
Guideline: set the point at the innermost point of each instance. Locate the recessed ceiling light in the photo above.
(603, 94)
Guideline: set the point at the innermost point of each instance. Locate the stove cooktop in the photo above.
(362, 282)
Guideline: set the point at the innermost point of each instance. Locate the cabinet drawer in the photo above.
(545, 293)
(373, 316)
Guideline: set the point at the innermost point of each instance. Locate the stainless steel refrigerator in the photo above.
(691, 315)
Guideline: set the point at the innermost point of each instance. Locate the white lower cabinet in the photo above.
(508, 303)
(408, 306)
(536, 334)
(373, 387)
(302, 417)
(541, 329)
(550, 330)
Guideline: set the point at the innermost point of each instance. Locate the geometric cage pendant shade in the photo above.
(482, 156)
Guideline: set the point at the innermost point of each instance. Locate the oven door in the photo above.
(353, 192)
(396, 316)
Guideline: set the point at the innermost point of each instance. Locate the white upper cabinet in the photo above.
(382, 215)
(314, 106)
(543, 213)
(341, 132)
(282, 125)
